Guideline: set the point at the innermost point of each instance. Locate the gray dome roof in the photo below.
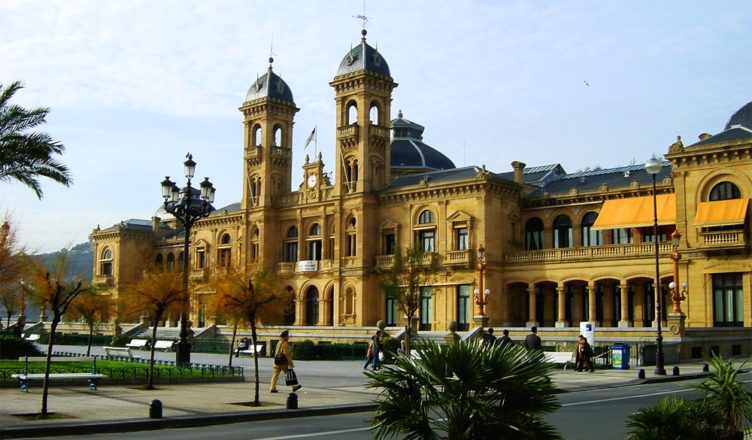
(409, 151)
(270, 85)
(363, 57)
(743, 116)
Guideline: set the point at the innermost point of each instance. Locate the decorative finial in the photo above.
(307, 159)
(399, 114)
(363, 33)
(320, 157)
(365, 20)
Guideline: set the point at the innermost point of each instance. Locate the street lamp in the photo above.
(481, 295)
(188, 205)
(653, 167)
(677, 296)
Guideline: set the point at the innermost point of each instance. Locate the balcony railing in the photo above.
(348, 131)
(377, 130)
(455, 258)
(107, 280)
(201, 274)
(584, 253)
(384, 260)
(285, 267)
(718, 239)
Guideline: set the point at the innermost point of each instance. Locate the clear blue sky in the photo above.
(134, 85)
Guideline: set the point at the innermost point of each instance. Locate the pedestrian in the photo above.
(584, 355)
(282, 361)
(533, 341)
(505, 339)
(243, 345)
(376, 351)
(403, 346)
(488, 338)
(369, 353)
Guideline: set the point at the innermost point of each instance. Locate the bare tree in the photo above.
(93, 307)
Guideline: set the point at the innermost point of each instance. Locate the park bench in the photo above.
(253, 349)
(558, 357)
(32, 337)
(25, 379)
(120, 352)
(138, 344)
(163, 345)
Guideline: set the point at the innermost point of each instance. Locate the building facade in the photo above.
(560, 248)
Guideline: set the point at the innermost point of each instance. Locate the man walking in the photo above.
(489, 338)
(373, 358)
(533, 341)
(505, 339)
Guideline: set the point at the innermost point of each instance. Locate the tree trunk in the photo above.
(256, 401)
(232, 342)
(47, 363)
(150, 382)
(91, 335)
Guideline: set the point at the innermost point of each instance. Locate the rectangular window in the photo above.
(427, 240)
(351, 245)
(425, 308)
(728, 300)
(463, 307)
(461, 238)
(621, 236)
(534, 240)
(391, 312)
(291, 252)
(107, 268)
(201, 258)
(224, 258)
(390, 243)
(591, 237)
(254, 251)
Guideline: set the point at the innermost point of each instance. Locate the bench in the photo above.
(558, 357)
(250, 350)
(138, 344)
(163, 345)
(120, 352)
(32, 337)
(25, 379)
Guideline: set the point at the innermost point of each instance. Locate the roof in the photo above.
(435, 176)
(734, 133)
(409, 151)
(363, 57)
(270, 85)
(537, 176)
(743, 117)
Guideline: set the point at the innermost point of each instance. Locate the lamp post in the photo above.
(187, 207)
(677, 296)
(481, 295)
(653, 167)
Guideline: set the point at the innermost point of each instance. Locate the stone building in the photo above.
(560, 248)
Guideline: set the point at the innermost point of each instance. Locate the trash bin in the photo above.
(648, 354)
(620, 356)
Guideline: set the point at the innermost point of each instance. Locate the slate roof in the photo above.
(743, 116)
(435, 176)
(363, 57)
(270, 85)
(537, 176)
(409, 151)
(735, 133)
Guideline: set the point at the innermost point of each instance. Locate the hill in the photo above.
(79, 259)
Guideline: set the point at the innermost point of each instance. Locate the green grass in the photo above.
(114, 369)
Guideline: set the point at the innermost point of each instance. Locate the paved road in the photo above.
(585, 415)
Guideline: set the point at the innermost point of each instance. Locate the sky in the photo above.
(135, 85)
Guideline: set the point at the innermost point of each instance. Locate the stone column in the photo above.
(592, 313)
(531, 310)
(624, 322)
(608, 306)
(561, 322)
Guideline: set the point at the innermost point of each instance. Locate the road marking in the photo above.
(658, 393)
(316, 434)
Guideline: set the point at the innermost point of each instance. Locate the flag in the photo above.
(311, 137)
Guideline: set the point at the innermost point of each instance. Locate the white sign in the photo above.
(587, 329)
(308, 266)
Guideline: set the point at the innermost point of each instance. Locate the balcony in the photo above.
(348, 136)
(199, 274)
(585, 253)
(722, 239)
(285, 267)
(457, 258)
(253, 152)
(384, 261)
(107, 280)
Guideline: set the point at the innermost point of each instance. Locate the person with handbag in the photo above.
(283, 363)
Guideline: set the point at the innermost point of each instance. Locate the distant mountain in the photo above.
(79, 260)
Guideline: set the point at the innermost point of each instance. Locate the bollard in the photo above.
(641, 374)
(705, 368)
(155, 409)
(292, 401)
(676, 370)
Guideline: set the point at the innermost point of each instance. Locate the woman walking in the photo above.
(282, 361)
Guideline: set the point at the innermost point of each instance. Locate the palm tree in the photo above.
(26, 156)
(674, 418)
(465, 390)
(729, 396)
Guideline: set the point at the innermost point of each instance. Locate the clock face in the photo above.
(311, 180)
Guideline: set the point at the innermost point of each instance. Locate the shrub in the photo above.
(304, 350)
(13, 348)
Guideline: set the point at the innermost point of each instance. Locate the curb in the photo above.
(146, 424)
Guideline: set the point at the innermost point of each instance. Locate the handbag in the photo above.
(291, 378)
(280, 359)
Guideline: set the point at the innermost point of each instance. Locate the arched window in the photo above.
(105, 267)
(255, 244)
(256, 136)
(426, 232)
(725, 191)
(373, 113)
(225, 251)
(315, 229)
(589, 236)
(314, 242)
(170, 262)
(292, 232)
(277, 136)
(562, 232)
(534, 234)
(352, 113)
(351, 237)
(159, 261)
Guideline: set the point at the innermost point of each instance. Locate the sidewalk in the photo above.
(126, 408)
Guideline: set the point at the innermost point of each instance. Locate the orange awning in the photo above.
(636, 212)
(721, 213)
